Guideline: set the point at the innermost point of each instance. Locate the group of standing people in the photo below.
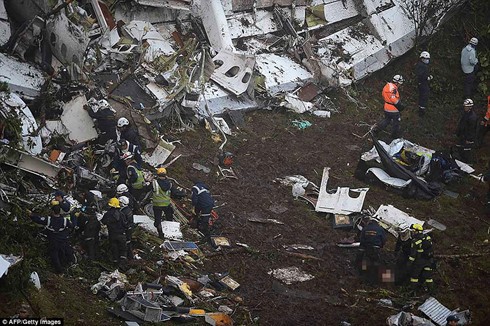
(65, 220)
(467, 132)
(414, 249)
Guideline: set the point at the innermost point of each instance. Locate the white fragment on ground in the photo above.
(290, 275)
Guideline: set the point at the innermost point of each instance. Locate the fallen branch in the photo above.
(463, 255)
(297, 254)
(265, 221)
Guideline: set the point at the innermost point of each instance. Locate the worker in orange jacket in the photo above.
(484, 125)
(392, 107)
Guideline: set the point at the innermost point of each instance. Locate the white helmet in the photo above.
(122, 188)
(468, 102)
(122, 122)
(398, 79)
(123, 201)
(425, 55)
(474, 41)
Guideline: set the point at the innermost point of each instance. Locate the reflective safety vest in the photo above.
(140, 180)
(160, 198)
(421, 247)
(50, 228)
(390, 96)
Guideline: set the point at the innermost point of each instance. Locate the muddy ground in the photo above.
(267, 147)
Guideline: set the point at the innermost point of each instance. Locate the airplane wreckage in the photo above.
(159, 61)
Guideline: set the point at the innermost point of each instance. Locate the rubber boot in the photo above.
(421, 111)
(160, 232)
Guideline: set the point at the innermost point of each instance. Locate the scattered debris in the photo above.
(264, 220)
(6, 261)
(290, 275)
(438, 313)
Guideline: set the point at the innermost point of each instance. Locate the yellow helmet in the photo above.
(417, 227)
(114, 202)
(161, 171)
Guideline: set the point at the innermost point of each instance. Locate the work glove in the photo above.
(54, 202)
(430, 77)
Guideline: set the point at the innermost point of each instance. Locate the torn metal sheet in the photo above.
(29, 163)
(290, 275)
(171, 230)
(100, 15)
(387, 179)
(393, 217)
(68, 40)
(362, 48)
(339, 202)
(77, 121)
(435, 311)
(159, 154)
(406, 318)
(218, 319)
(13, 105)
(6, 261)
(281, 73)
(294, 103)
(21, 77)
(214, 20)
(233, 71)
(436, 224)
(219, 101)
(172, 4)
(143, 31)
(333, 11)
(4, 24)
(261, 22)
(179, 245)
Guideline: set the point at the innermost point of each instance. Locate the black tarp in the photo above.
(396, 170)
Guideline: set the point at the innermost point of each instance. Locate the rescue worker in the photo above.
(105, 119)
(392, 107)
(124, 146)
(122, 190)
(402, 249)
(483, 126)
(125, 131)
(59, 199)
(135, 177)
(469, 61)
(421, 259)
(162, 188)
(91, 229)
(452, 320)
(127, 214)
(57, 226)
(486, 178)
(203, 204)
(423, 78)
(466, 131)
(116, 227)
(372, 239)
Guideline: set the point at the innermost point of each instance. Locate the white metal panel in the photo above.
(394, 217)
(435, 311)
(339, 10)
(261, 22)
(237, 82)
(79, 124)
(218, 101)
(340, 202)
(22, 78)
(159, 154)
(214, 21)
(282, 74)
